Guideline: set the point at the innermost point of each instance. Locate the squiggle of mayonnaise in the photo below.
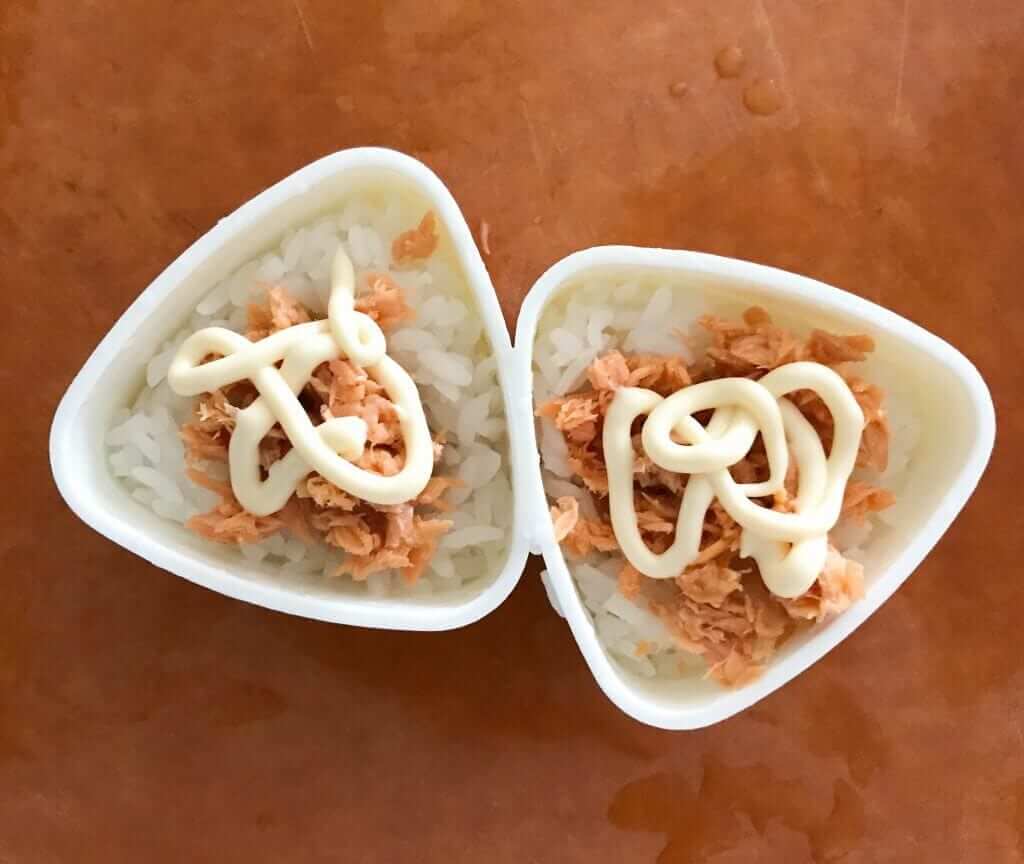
(331, 447)
(789, 548)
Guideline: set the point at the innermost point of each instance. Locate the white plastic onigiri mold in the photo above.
(956, 428)
(116, 373)
(950, 401)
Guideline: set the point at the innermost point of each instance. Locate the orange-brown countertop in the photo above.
(875, 144)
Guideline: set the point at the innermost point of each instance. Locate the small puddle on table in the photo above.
(703, 819)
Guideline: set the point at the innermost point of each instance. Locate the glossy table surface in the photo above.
(873, 144)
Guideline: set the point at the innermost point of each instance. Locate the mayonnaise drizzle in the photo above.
(331, 447)
(789, 548)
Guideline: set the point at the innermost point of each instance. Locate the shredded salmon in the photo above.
(589, 535)
(201, 478)
(228, 522)
(214, 411)
(417, 243)
(433, 493)
(747, 346)
(564, 516)
(576, 416)
(294, 517)
(426, 535)
(840, 584)
(206, 436)
(381, 461)
(709, 583)
(406, 550)
(873, 452)
(280, 312)
(348, 531)
(874, 442)
(609, 372)
(830, 349)
(348, 390)
(325, 495)
(663, 375)
(384, 302)
(373, 538)
(651, 520)
(718, 607)
(202, 444)
(275, 445)
(736, 637)
(587, 461)
(861, 499)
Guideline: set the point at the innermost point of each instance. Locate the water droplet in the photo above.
(729, 62)
(679, 89)
(763, 97)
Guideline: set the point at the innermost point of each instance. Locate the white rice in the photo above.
(444, 349)
(653, 318)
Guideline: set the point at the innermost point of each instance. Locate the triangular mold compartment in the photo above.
(363, 196)
(941, 413)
